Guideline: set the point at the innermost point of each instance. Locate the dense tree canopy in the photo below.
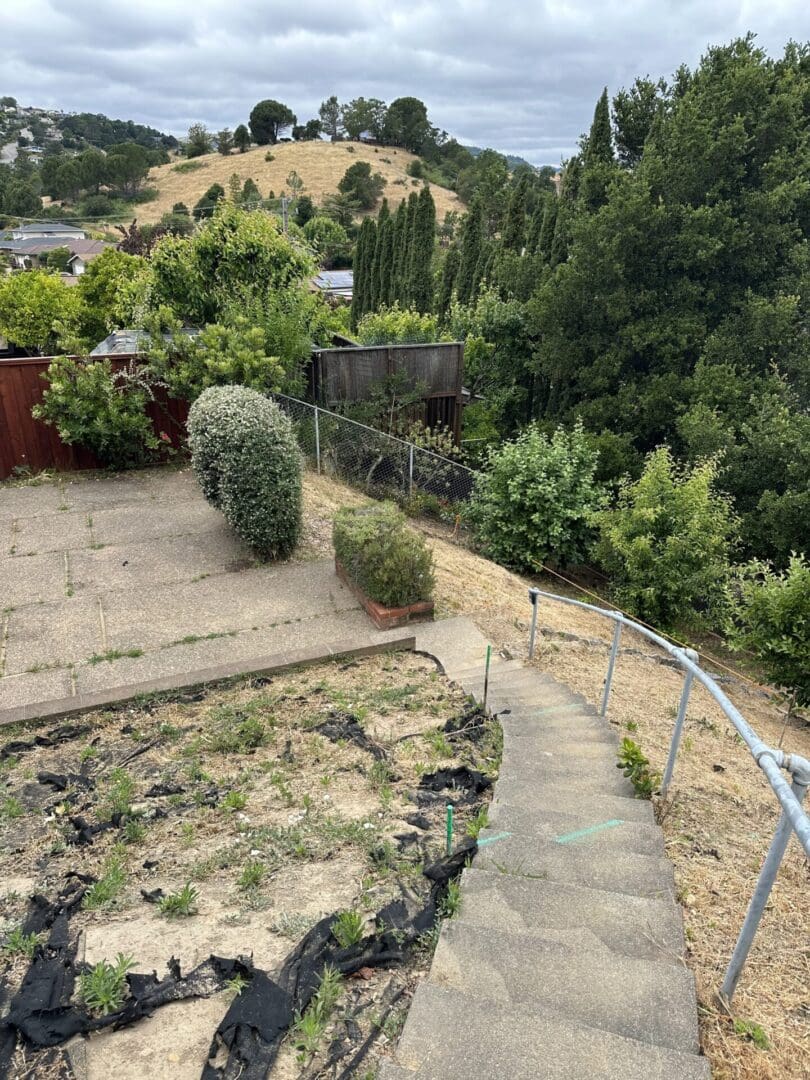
(268, 119)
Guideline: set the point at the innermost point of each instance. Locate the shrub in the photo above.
(775, 623)
(387, 560)
(537, 499)
(90, 404)
(398, 326)
(246, 458)
(667, 542)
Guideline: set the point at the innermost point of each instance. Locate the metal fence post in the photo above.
(410, 472)
(614, 651)
(676, 734)
(767, 876)
(317, 440)
(534, 595)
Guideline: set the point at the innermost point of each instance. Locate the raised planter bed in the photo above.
(386, 618)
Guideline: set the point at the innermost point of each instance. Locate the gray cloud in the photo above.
(519, 75)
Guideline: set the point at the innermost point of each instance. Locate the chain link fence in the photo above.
(381, 465)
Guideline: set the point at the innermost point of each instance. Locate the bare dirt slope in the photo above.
(320, 165)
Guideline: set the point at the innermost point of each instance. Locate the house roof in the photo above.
(127, 342)
(338, 282)
(41, 245)
(85, 256)
(45, 228)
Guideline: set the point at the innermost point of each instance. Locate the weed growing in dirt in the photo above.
(118, 797)
(114, 654)
(134, 831)
(19, 944)
(234, 800)
(236, 733)
(379, 775)
(347, 929)
(252, 876)
(11, 808)
(102, 989)
(439, 744)
(179, 904)
(308, 1028)
(237, 984)
(451, 905)
(104, 892)
(477, 823)
(636, 767)
(752, 1031)
(88, 753)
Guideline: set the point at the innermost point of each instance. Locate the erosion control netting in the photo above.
(43, 1012)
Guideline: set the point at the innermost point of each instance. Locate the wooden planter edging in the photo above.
(385, 618)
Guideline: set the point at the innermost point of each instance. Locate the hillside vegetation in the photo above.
(320, 165)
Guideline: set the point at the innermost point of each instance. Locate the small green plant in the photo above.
(308, 1028)
(11, 808)
(18, 943)
(234, 800)
(390, 562)
(189, 166)
(102, 989)
(747, 1029)
(237, 984)
(88, 753)
(237, 736)
(179, 904)
(347, 929)
(252, 876)
(451, 905)
(438, 743)
(114, 654)
(118, 797)
(477, 823)
(104, 892)
(636, 767)
(134, 831)
(379, 775)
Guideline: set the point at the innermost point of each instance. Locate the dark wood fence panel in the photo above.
(28, 443)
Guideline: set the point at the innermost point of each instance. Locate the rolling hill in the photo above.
(320, 165)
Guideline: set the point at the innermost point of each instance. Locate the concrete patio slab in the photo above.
(30, 579)
(17, 690)
(31, 500)
(58, 532)
(44, 635)
(103, 492)
(128, 524)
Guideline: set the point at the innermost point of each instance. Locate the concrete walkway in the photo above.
(115, 585)
(565, 960)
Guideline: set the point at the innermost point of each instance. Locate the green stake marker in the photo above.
(449, 828)
(486, 675)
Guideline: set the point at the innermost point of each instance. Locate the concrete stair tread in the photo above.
(639, 999)
(455, 1036)
(519, 735)
(565, 798)
(635, 926)
(551, 826)
(610, 868)
(594, 776)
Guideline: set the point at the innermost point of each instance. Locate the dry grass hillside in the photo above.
(320, 165)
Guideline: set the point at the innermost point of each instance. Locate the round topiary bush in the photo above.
(244, 453)
(388, 561)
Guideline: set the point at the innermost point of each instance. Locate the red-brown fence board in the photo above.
(28, 443)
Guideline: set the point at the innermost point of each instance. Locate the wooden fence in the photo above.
(26, 443)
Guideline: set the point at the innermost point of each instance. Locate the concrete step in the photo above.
(631, 925)
(567, 799)
(586, 775)
(606, 867)
(387, 1070)
(639, 999)
(552, 827)
(455, 1036)
(515, 733)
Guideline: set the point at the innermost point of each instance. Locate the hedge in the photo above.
(389, 561)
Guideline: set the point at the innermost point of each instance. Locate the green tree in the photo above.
(329, 114)
(667, 544)
(420, 270)
(37, 310)
(635, 113)
(364, 114)
(225, 143)
(598, 162)
(375, 278)
(250, 196)
(406, 124)
(448, 282)
(207, 203)
(328, 239)
(268, 119)
(199, 141)
(471, 244)
(774, 623)
(99, 289)
(128, 165)
(537, 500)
(363, 259)
(58, 259)
(241, 138)
(361, 185)
(514, 230)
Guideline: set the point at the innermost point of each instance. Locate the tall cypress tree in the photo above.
(374, 299)
(547, 230)
(472, 240)
(513, 236)
(363, 256)
(398, 246)
(599, 145)
(535, 229)
(385, 233)
(404, 267)
(449, 272)
(420, 275)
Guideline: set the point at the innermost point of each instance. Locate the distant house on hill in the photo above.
(79, 262)
(46, 230)
(31, 253)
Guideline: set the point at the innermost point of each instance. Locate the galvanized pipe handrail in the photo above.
(770, 760)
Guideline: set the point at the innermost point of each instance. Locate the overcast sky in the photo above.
(519, 75)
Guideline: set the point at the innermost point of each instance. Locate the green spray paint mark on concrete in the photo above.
(569, 838)
(492, 839)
